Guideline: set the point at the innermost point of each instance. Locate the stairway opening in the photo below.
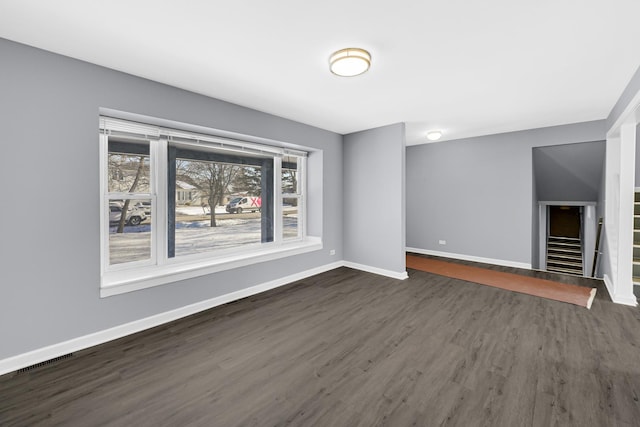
(564, 241)
(636, 243)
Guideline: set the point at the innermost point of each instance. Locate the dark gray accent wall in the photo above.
(476, 193)
(569, 172)
(49, 221)
(625, 98)
(374, 205)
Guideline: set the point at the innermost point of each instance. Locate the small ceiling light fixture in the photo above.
(434, 135)
(350, 62)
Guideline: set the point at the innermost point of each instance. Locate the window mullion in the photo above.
(302, 179)
(129, 196)
(277, 199)
(301, 191)
(160, 200)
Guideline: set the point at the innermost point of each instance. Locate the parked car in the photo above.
(144, 207)
(240, 204)
(134, 215)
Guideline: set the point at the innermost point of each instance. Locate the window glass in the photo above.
(130, 234)
(217, 216)
(128, 167)
(291, 198)
(290, 175)
(290, 223)
(128, 173)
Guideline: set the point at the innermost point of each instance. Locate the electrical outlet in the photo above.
(332, 252)
(442, 242)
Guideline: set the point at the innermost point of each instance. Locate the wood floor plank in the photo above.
(348, 348)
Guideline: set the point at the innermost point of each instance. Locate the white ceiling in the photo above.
(467, 67)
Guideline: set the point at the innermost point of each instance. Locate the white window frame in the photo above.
(160, 269)
(302, 200)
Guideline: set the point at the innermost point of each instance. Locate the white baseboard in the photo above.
(493, 261)
(76, 344)
(630, 300)
(400, 275)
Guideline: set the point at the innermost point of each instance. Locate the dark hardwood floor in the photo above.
(348, 348)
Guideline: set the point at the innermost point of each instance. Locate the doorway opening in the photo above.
(564, 241)
(564, 221)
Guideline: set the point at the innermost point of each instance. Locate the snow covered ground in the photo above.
(192, 237)
(198, 210)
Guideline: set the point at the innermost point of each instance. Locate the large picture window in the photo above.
(177, 204)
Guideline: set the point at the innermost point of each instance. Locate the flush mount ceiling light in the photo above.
(350, 62)
(434, 135)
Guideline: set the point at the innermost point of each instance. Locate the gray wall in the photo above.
(374, 205)
(49, 221)
(569, 172)
(476, 193)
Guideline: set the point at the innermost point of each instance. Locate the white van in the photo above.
(244, 204)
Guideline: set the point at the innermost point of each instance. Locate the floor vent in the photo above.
(45, 363)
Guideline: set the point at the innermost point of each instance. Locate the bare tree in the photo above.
(212, 179)
(125, 207)
(121, 167)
